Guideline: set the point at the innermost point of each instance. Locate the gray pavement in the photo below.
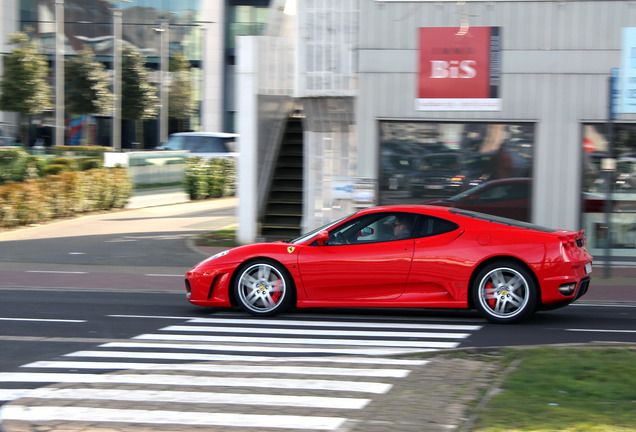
(436, 396)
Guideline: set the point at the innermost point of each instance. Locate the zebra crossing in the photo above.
(301, 373)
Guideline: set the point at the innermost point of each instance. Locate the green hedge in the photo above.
(64, 194)
(213, 178)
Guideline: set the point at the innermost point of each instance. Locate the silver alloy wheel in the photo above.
(504, 293)
(261, 288)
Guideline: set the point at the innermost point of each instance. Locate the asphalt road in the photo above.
(111, 250)
(99, 296)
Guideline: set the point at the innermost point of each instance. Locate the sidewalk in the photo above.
(157, 196)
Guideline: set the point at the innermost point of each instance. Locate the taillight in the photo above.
(567, 241)
(572, 240)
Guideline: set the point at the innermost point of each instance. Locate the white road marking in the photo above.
(55, 272)
(338, 324)
(379, 320)
(162, 275)
(54, 413)
(273, 340)
(224, 368)
(603, 305)
(199, 381)
(305, 332)
(199, 398)
(217, 357)
(43, 320)
(7, 395)
(601, 330)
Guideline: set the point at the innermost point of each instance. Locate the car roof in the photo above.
(408, 208)
(455, 215)
(213, 134)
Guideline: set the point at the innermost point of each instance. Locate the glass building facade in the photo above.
(91, 23)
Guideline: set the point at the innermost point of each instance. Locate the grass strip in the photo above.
(565, 389)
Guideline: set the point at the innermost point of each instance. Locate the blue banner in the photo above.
(627, 102)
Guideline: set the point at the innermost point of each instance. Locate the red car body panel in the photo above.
(370, 272)
(431, 272)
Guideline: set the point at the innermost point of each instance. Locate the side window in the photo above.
(431, 226)
(374, 228)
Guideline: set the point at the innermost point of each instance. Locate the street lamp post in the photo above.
(164, 49)
(117, 38)
(59, 73)
(117, 35)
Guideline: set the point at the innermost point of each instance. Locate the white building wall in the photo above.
(213, 15)
(556, 61)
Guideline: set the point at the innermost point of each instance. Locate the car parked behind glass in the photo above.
(204, 144)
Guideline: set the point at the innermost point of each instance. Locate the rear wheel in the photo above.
(505, 292)
(263, 288)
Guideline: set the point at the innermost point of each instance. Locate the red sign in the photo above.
(459, 69)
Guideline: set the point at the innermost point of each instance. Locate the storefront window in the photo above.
(479, 166)
(618, 185)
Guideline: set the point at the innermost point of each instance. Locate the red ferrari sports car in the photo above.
(403, 256)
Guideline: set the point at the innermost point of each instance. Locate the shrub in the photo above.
(88, 163)
(54, 169)
(81, 150)
(13, 164)
(210, 179)
(71, 163)
(63, 194)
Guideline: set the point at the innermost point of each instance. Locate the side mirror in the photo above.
(322, 238)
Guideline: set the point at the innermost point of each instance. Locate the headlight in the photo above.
(220, 254)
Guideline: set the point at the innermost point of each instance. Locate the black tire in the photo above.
(505, 292)
(263, 288)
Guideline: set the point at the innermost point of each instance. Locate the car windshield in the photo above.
(201, 143)
(310, 234)
(440, 162)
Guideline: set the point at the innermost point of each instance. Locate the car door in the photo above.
(436, 268)
(361, 261)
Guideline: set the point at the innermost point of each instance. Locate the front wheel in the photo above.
(263, 288)
(505, 292)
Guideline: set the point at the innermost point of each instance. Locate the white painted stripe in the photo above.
(378, 320)
(601, 330)
(163, 275)
(298, 341)
(217, 357)
(198, 381)
(352, 360)
(246, 358)
(609, 305)
(183, 318)
(54, 413)
(43, 320)
(338, 324)
(262, 329)
(190, 397)
(12, 394)
(224, 368)
(55, 272)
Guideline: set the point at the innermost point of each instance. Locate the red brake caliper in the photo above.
(491, 301)
(277, 294)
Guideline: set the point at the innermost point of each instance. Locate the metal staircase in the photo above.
(283, 209)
